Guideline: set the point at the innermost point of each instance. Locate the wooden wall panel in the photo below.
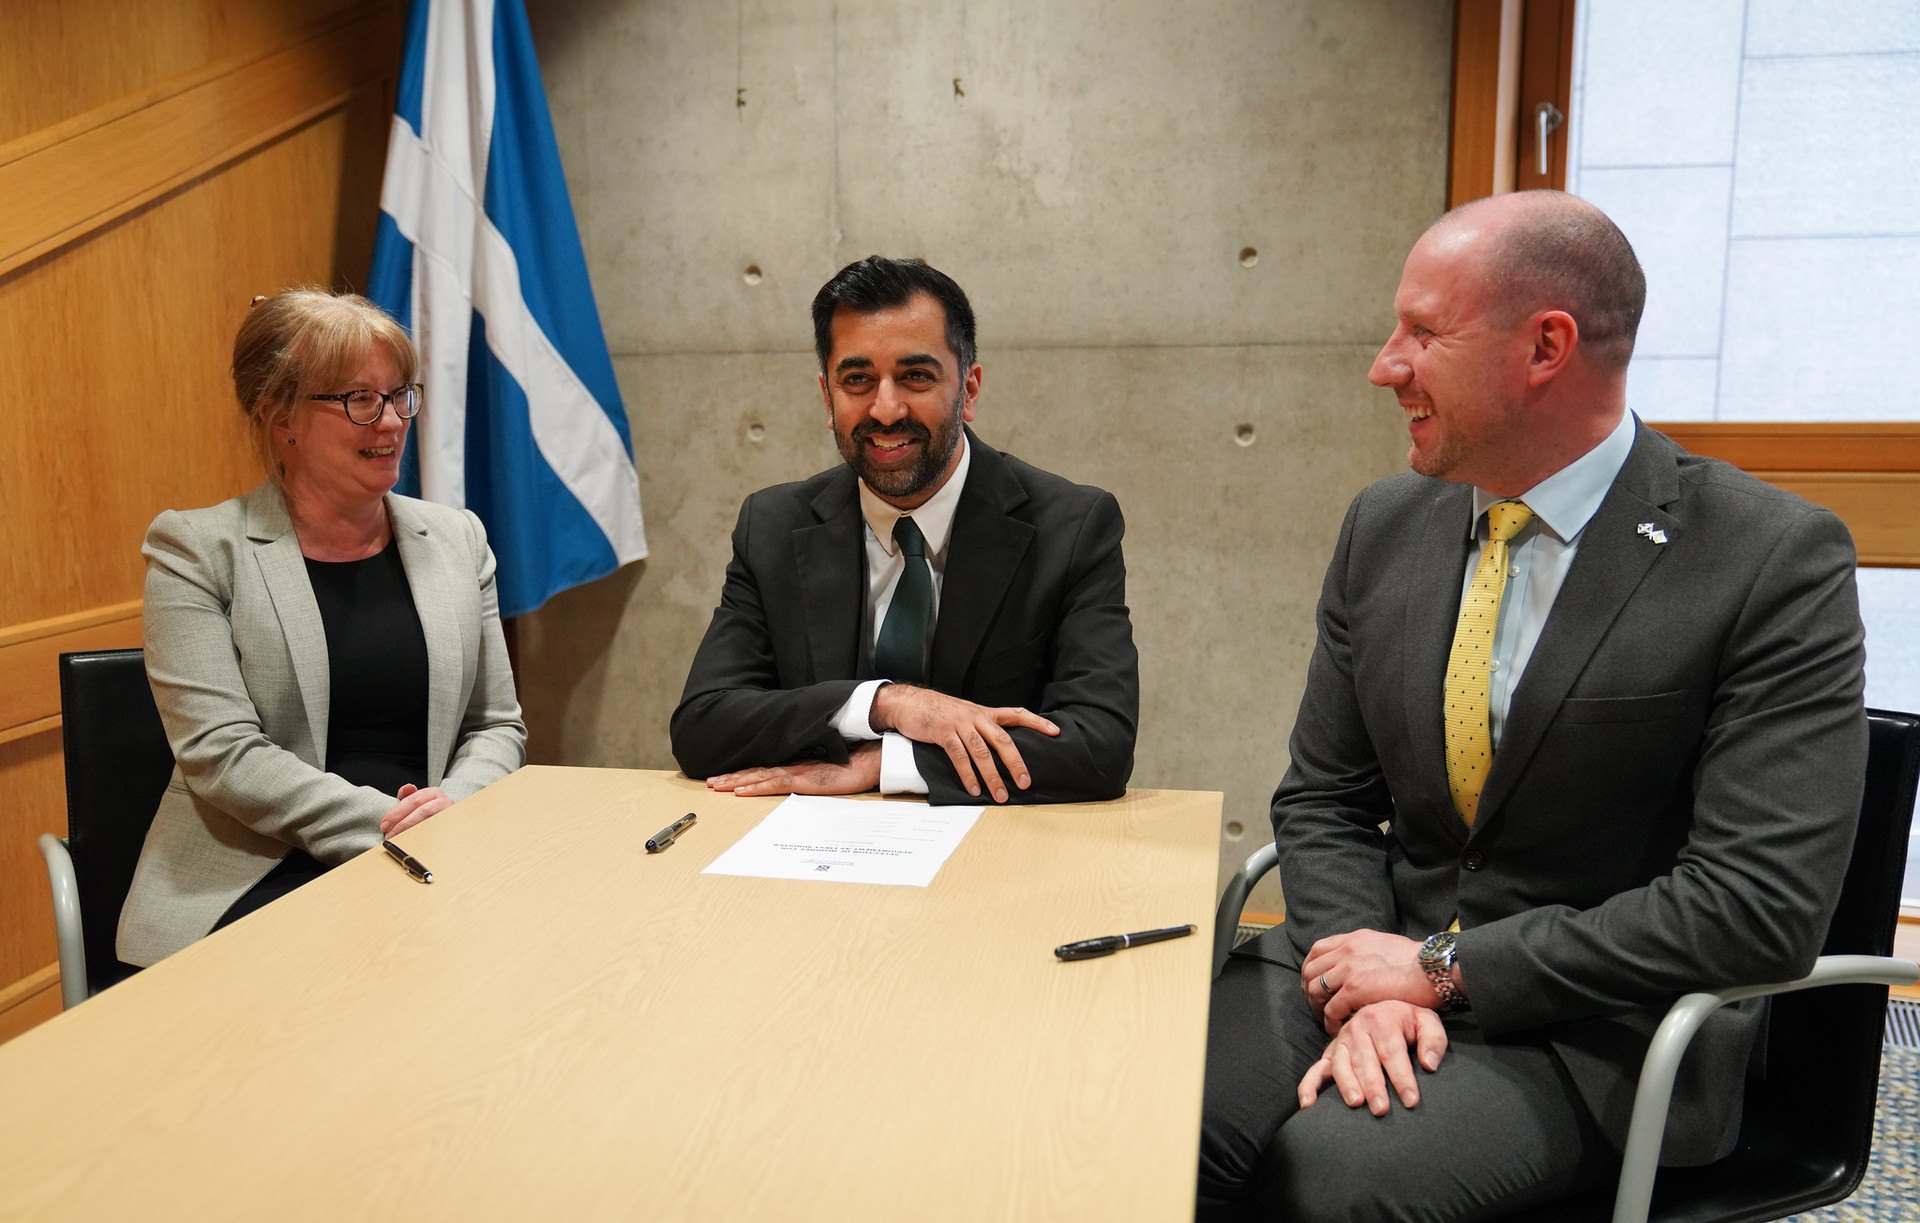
(138, 320)
(30, 658)
(110, 161)
(1866, 472)
(162, 163)
(36, 803)
(62, 58)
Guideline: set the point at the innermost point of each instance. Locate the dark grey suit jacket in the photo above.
(1033, 613)
(1673, 799)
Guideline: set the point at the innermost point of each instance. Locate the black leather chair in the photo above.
(1807, 1128)
(118, 763)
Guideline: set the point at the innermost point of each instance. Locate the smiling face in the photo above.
(896, 398)
(327, 459)
(1458, 368)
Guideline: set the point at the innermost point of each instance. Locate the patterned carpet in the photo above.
(1891, 1191)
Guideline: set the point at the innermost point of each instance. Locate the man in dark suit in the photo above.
(1582, 731)
(932, 617)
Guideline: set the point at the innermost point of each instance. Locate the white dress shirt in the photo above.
(899, 774)
(1540, 556)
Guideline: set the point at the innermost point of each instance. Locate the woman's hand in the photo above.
(415, 805)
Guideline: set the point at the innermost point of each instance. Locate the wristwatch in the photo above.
(1436, 960)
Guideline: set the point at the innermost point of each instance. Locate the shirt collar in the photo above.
(934, 517)
(1564, 501)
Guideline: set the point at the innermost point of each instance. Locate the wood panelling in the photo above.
(32, 1000)
(108, 162)
(1787, 446)
(63, 58)
(161, 164)
(135, 326)
(33, 774)
(29, 662)
(1868, 473)
(1880, 509)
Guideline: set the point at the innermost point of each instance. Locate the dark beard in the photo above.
(936, 451)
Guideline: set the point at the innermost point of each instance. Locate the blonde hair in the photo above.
(300, 340)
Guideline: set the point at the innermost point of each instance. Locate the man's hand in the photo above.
(415, 805)
(970, 734)
(858, 775)
(1346, 972)
(1370, 1054)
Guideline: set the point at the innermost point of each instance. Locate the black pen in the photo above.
(671, 833)
(1087, 949)
(412, 865)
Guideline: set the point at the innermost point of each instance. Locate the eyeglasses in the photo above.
(364, 407)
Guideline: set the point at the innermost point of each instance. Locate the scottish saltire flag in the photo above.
(478, 255)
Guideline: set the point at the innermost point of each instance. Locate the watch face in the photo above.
(1437, 951)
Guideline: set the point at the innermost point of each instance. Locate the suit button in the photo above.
(1473, 861)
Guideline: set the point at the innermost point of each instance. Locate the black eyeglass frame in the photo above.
(388, 399)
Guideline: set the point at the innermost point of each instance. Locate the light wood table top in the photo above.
(564, 1027)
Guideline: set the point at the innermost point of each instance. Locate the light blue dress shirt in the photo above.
(1540, 556)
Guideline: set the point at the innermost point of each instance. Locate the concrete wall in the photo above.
(1181, 226)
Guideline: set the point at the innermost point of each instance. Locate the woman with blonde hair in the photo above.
(326, 654)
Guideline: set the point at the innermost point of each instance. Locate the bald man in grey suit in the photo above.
(1472, 970)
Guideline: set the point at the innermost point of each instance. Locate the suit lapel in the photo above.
(1435, 579)
(276, 549)
(1612, 559)
(830, 558)
(428, 578)
(983, 555)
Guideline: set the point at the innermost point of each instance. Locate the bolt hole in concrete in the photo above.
(1235, 830)
(1249, 257)
(752, 274)
(756, 432)
(1244, 435)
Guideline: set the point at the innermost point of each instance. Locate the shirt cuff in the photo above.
(899, 772)
(854, 721)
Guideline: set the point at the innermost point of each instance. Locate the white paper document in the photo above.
(837, 839)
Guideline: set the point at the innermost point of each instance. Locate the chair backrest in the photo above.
(1808, 1126)
(118, 763)
(1824, 1045)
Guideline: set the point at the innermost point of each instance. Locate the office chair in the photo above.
(1807, 1127)
(118, 764)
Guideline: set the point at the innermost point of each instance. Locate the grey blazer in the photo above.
(1674, 796)
(237, 657)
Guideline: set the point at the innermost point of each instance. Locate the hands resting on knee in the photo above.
(1370, 1054)
(1368, 989)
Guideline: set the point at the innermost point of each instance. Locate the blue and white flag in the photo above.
(477, 254)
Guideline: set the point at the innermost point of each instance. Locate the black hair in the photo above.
(878, 283)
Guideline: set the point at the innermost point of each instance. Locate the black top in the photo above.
(377, 658)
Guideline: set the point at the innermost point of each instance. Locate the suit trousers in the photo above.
(1499, 1127)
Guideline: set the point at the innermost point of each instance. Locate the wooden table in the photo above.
(564, 1027)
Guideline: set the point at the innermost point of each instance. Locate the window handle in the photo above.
(1546, 120)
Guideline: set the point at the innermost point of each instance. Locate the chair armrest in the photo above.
(1227, 919)
(67, 926)
(1676, 1032)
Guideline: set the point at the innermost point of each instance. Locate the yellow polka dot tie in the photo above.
(1470, 663)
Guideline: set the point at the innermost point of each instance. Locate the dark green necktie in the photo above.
(901, 651)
